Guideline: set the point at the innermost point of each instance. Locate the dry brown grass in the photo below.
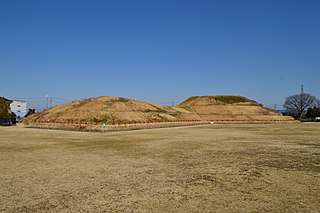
(90, 114)
(111, 110)
(231, 108)
(214, 168)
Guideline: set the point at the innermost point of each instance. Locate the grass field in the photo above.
(213, 168)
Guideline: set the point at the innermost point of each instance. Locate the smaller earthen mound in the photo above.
(232, 109)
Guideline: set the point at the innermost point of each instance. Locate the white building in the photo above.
(19, 108)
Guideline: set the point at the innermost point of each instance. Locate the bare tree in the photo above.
(318, 103)
(296, 105)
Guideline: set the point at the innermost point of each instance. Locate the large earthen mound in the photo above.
(231, 109)
(111, 110)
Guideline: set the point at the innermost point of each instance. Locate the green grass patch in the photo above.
(188, 108)
(229, 99)
(158, 109)
(225, 99)
(109, 119)
(123, 99)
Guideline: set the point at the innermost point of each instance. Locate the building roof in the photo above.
(19, 100)
(7, 100)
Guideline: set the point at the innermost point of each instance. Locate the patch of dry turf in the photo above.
(216, 168)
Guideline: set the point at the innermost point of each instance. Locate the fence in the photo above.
(134, 125)
(97, 126)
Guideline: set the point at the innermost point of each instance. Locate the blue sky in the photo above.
(159, 50)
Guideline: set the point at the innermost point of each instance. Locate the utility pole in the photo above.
(47, 98)
(302, 89)
(50, 102)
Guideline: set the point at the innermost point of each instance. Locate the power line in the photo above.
(62, 99)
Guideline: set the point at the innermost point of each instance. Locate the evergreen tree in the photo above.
(5, 108)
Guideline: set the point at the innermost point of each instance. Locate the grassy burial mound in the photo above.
(108, 111)
(235, 109)
(113, 113)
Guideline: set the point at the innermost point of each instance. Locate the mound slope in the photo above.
(110, 110)
(231, 108)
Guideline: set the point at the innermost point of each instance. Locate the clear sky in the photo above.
(159, 50)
